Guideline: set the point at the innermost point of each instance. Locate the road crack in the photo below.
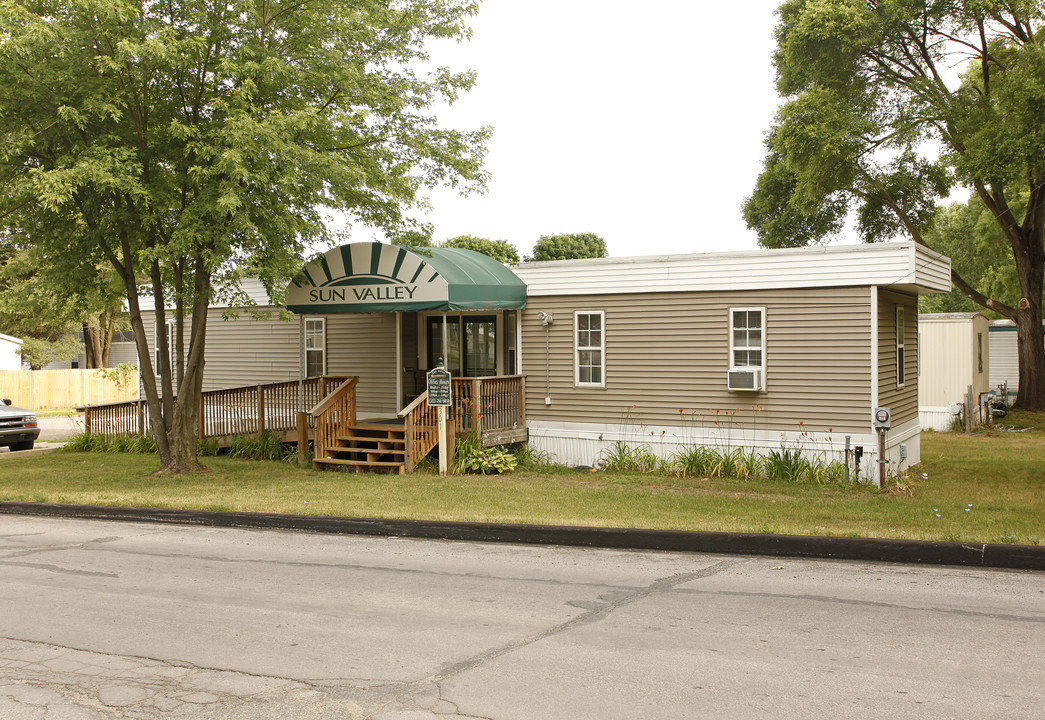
(595, 611)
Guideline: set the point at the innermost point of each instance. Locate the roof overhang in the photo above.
(374, 277)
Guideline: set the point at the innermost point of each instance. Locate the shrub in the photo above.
(264, 446)
(88, 442)
(786, 464)
(471, 457)
(625, 458)
(694, 461)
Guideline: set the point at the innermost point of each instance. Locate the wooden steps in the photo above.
(369, 447)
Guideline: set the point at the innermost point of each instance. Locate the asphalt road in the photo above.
(123, 620)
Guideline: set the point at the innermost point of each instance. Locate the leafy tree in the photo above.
(967, 234)
(499, 250)
(189, 142)
(40, 353)
(50, 298)
(569, 247)
(868, 88)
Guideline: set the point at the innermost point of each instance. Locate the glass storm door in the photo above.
(480, 344)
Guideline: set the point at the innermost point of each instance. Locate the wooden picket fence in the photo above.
(46, 389)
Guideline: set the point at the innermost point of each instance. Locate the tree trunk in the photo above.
(1030, 346)
(185, 434)
(91, 346)
(1030, 337)
(108, 324)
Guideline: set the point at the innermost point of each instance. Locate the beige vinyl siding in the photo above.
(670, 351)
(901, 401)
(246, 351)
(125, 352)
(364, 344)
(241, 351)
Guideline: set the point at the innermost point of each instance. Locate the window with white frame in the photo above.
(315, 347)
(900, 366)
(157, 335)
(747, 338)
(590, 344)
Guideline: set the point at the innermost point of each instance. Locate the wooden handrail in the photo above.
(333, 416)
(329, 399)
(421, 430)
(423, 397)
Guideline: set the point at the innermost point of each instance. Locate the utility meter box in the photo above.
(882, 418)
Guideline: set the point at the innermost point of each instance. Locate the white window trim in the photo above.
(762, 311)
(901, 332)
(323, 329)
(601, 347)
(156, 345)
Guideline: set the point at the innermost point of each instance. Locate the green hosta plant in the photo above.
(472, 457)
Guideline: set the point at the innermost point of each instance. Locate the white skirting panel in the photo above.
(586, 444)
(939, 419)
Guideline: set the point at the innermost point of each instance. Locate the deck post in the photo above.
(477, 406)
(520, 413)
(261, 409)
(87, 421)
(443, 449)
(141, 417)
(303, 438)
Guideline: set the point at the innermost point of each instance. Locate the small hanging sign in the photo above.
(440, 389)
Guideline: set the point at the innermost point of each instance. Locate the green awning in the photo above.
(374, 277)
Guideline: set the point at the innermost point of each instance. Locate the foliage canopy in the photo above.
(870, 88)
(499, 250)
(190, 142)
(569, 246)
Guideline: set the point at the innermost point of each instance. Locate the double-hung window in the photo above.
(747, 349)
(315, 347)
(900, 365)
(157, 336)
(747, 338)
(590, 347)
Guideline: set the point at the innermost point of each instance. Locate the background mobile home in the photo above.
(955, 356)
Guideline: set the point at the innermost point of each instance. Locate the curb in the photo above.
(42, 447)
(929, 552)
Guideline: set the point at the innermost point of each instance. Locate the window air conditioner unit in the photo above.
(745, 379)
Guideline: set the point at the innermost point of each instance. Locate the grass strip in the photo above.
(987, 487)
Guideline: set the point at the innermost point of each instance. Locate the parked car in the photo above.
(18, 427)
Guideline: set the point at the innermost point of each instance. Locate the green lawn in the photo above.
(988, 487)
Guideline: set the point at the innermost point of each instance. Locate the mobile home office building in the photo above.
(734, 350)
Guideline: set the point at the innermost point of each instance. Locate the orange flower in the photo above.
(680, 411)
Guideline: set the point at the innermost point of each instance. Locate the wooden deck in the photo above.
(492, 407)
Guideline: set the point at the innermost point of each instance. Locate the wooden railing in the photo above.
(333, 415)
(421, 430)
(493, 407)
(225, 413)
(111, 419)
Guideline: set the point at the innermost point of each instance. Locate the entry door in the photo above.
(480, 344)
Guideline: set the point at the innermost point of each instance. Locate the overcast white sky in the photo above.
(640, 122)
